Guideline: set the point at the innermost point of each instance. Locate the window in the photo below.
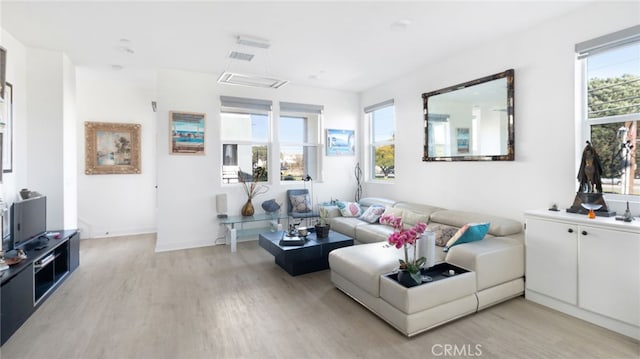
(299, 138)
(381, 120)
(611, 106)
(245, 134)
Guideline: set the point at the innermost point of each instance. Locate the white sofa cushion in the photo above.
(423, 209)
(500, 226)
(370, 201)
(373, 233)
(346, 225)
(363, 264)
(495, 260)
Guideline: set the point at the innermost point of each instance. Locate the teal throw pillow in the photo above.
(468, 233)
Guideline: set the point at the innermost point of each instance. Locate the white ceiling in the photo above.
(349, 45)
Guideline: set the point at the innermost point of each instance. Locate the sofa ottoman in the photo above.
(365, 266)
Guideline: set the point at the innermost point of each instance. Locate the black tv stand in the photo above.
(41, 242)
(26, 285)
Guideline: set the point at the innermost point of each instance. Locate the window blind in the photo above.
(300, 107)
(434, 117)
(606, 42)
(378, 106)
(245, 103)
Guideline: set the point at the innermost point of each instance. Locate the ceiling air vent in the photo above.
(231, 78)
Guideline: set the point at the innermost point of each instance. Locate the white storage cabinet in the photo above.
(588, 268)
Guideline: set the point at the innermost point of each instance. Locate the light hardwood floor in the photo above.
(125, 301)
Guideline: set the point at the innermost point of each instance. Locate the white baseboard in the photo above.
(595, 318)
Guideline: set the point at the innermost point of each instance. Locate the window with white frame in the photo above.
(382, 124)
(610, 84)
(299, 138)
(245, 127)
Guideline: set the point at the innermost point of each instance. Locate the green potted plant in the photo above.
(322, 227)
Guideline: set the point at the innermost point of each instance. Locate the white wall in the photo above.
(45, 93)
(544, 170)
(16, 75)
(70, 142)
(187, 185)
(112, 205)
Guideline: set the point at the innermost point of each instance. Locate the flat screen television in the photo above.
(28, 220)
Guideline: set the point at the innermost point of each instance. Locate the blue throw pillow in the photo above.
(468, 233)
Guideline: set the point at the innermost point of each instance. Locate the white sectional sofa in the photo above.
(495, 267)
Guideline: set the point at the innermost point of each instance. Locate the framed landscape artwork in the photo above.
(186, 131)
(341, 142)
(112, 148)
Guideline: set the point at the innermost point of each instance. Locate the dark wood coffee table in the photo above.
(311, 257)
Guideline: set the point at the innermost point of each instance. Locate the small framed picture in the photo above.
(112, 148)
(462, 138)
(341, 142)
(187, 133)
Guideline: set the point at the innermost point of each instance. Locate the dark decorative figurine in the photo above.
(589, 199)
(590, 170)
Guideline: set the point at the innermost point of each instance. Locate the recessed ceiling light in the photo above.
(117, 67)
(400, 25)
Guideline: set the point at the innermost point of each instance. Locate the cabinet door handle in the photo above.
(570, 230)
(584, 233)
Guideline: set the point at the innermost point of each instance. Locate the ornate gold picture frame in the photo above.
(112, 148)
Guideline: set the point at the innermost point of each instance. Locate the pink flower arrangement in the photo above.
(403, 238)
